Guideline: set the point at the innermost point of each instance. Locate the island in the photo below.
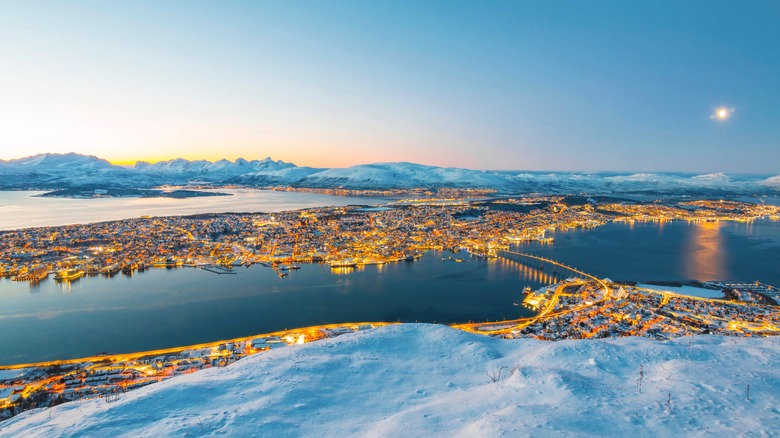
(90, 193)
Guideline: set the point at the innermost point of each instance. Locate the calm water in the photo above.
(20, 209)
(672, 251)
(163, 308)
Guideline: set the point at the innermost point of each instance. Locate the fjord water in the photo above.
(164, 308)
(22, 209)
(671, 251)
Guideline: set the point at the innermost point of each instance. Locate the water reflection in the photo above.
(707, 259)
(187, 306)
(540, 273)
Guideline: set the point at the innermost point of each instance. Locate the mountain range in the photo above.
(58, 171)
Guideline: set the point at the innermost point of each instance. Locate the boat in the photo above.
(342, 264)
(290, 268)
(69, 274)
(527, 290)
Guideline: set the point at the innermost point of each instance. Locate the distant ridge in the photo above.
(56, 171)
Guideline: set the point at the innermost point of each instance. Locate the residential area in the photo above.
(345, 237)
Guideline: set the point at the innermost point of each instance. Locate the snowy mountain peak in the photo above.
(720, 176)
(406, 175)
(69, 159)
(68, 170)
(773, 182)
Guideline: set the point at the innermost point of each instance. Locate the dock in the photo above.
(219, 270)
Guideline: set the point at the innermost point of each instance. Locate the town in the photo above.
(579, 307)
(25, 387)
(344, 237)
(593, 308)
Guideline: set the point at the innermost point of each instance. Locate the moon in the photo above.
(722, 114)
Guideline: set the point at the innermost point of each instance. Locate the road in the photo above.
(115, 358)
(517, 324)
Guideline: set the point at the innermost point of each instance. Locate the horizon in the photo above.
(583, 88)
(133, 164)
(236, 207)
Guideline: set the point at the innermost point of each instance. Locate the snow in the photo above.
(53, 170)
(686, 290)
(12, 374)
(427, 380)
(405, 175)
(772, 182)
(714, 177)
(179, 170)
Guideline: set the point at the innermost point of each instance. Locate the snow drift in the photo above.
(426, 380)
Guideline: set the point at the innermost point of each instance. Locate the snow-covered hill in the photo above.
(181, 170)
(426, 380)
(404, 175)
(71, 170)
(61, 170)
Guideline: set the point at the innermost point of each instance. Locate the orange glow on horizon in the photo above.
(308, 160)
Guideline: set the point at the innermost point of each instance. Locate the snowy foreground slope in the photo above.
(427, 380)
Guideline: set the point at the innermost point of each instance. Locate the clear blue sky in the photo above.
(579, 85)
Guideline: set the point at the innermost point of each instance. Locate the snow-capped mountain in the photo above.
(274, 177)
(772, 182)
(202, 170)
(427, 380)
(51, 171)
(54, 163)
(646, 183)
(62, 171)
(404, 175)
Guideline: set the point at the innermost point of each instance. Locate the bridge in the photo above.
(487, 328)
(770, 289)
(514, 255)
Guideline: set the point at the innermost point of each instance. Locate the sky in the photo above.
(601, 85)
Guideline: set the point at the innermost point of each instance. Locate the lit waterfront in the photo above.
(442, 287)
(165, 308)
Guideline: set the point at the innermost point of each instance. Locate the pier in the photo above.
(219, 270)
(33, 276)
